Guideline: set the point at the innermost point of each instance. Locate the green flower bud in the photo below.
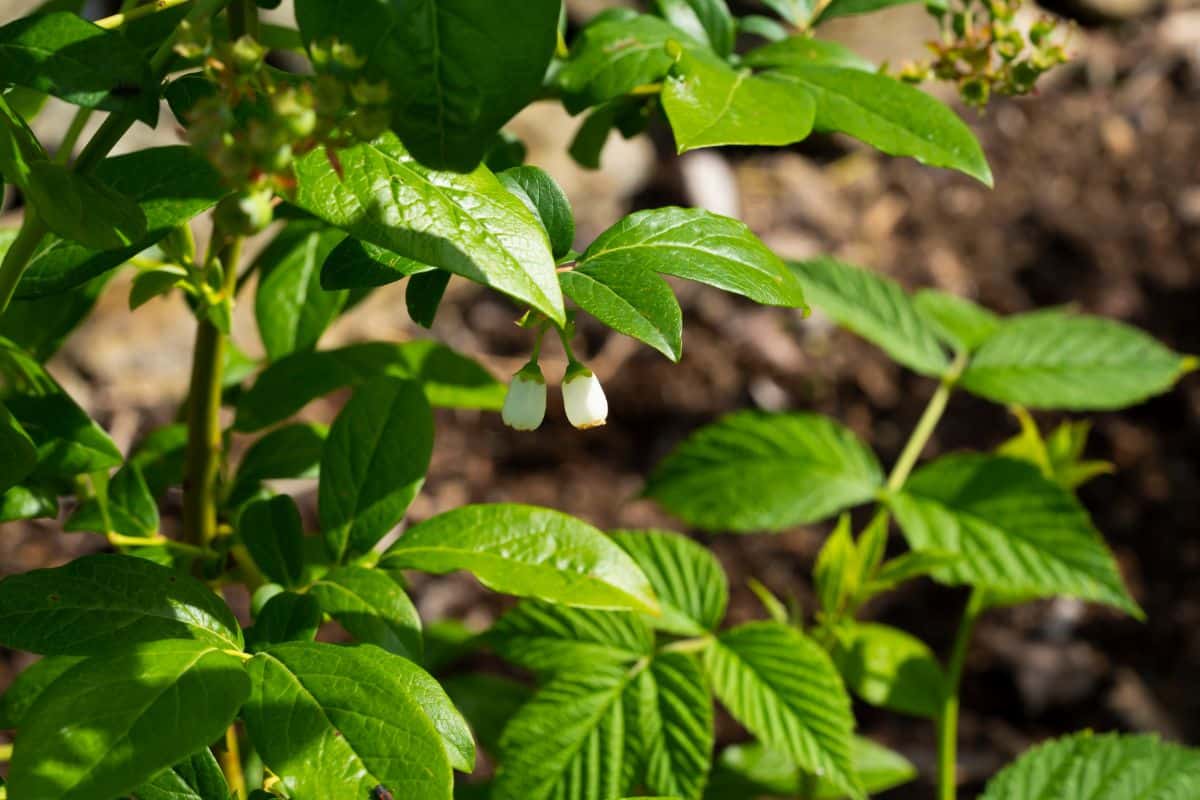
(366, 93)
(246, 54)
(245, 213)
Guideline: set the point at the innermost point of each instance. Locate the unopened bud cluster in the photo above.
(985, 52)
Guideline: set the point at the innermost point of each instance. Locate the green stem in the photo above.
(947, 723)
(231, 763)
(19, 253)
(925, 426)
(117, 20)
(5, 753)
(67, 146)
(120, 540)
(243, 19)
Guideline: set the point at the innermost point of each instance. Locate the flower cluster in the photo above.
(583, 398)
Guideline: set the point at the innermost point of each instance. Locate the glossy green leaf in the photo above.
(707, 21)
(40, 326)
(635, 302)
(528, 552)
(374, 464)
(1055, 359)
(29, 685)
(273, 533)
(68, 57)
(372, 607)
(697, 245)
(100, 602)
(423, 295)
(82, 209)
(847, 8)
(197, 777)
(875, 308)
(957, 321)
(763, 27)
(710, 104)
(753, 471)
(292, 451)
(746, 770)
(1015, 530)
(796, 12)
(98, 730)
(18, 454)
(19, 148)
(890, 668)
(673, 725)
(338, 721)
(457, 69)
(28, 502)
(286, 617)
(170, 184)
(291, 307)
(805, 51)
(782, 686)
(359, 265)
(687, 579)
(1086, 766)
(466, 224)
(891, 116)
(450, 380)
(126, 507)
(547, 638)
(575, 726)
(488, 702)
(546, 199)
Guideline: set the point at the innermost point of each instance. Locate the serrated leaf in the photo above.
(340, 721)
(1015, 530)
(805, 51)
(576, 725)
(450, 380)
(466, 224)
(292, 451)
(1054, 359)
(18, 454)
(687, 579)
(710, 104)
(547, 200)
(1100, 767)
(286, 617)
(745, 769)
(889, 668)
(891, 116)
(29, 685)
(127, 508)
(635, 302)
(527, 552)
(835, 575)
(372, 607)
(753, 471)
(546, 638)
(675, 726)
(82, 209)
(100, 602)
(707, 21)
(291, 307)
(103, 720)
(273, 533)
(785, 690)
(957, 321)
(697, 245)
(875, 308)
(197, 777)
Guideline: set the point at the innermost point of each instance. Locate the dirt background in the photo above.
(1097, 204)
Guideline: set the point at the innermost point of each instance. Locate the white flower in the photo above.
(587, 407)
(525, 403)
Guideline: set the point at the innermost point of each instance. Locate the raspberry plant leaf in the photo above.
(890, 668)
(672, 725)
(958, 322)
(752, 471)
(688, 580)
(104, 718)
(373, 608)
(744, 770)
(548, 638)
(527, 552)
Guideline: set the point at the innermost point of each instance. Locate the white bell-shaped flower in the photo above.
(583, 396)
(525, 403)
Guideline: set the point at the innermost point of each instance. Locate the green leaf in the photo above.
(784, 689)
(674, 726)
(748, 769)
(374, 464)
(835, 574)
(74, 60)
(614, 54)
(805, 51)
(372, 607)
(908, 566)
(103, 720)
(423, 295)
(875, 308)
(100, 602)
(28, 502)
(1085, 766)
(575, 726)
(170, 184)
(291, 307)
(763, 27)
(547, 638)
(846, 8)
(457, 69)
(889, 668)
(82, 209)
(338, 721)
(686, 577)
(1015, 530)
(152, 283)
(753, 471)
(160, 457)
(707, 21)
(273, 533)
(19, 148)
(488, 702)
(527, 552)
(292, 451)
(18, 454)
(361, 265)
(542, 195)
(450, 380)
(796, 12)
(40, 326)
(635, 302)
(1055, 359)
(68, 442)
(891, 116)
(1059, 456)
(286, 617)
(466, 224)
(957, 321)
(710, 104)
(29, 685)
(197, 777)
(699, 246)
(127, 508)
